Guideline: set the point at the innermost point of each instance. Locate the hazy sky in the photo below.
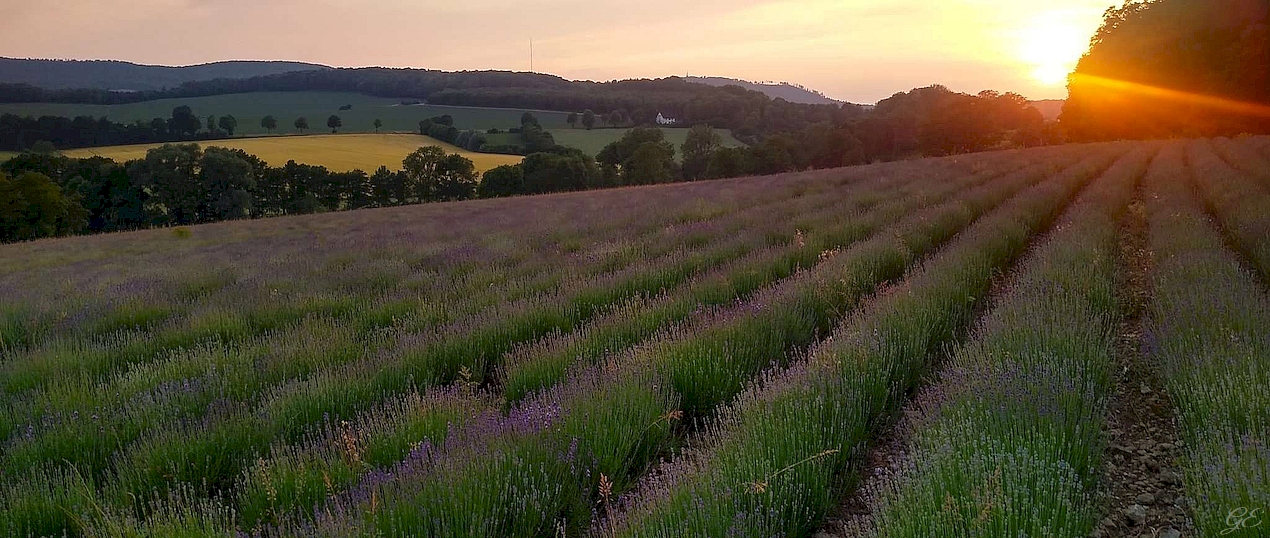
(858, 50)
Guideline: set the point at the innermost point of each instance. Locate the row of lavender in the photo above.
(217, 371)
(1009, 443)
(451, 462)
(775, 460)
(305, 468)
(73, 389)
(541, 468)
(303, 473)
(176, 399)
(1208, 327)
(172, 425)
(162, 270)
(264, 292)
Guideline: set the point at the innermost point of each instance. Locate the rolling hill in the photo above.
(127, 76)
(784, 90)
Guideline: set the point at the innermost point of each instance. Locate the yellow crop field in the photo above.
(337, 152)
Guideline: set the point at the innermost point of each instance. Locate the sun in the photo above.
(1052, 44)
(1052, 74)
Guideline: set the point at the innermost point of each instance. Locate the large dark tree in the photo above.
(563, 170)
(33, 206)
(698, 147)
(1173, 68)
(184, 121)
(619, 152)
(228, 180)
(269, 123)
(651, 163)
(170, 174)
(434, 176)
(228, 124)
(506, 180)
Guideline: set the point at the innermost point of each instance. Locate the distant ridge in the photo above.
(1050, 108)
(783, 90)
(126, 76)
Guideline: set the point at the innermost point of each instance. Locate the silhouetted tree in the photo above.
(301, 123)
(651, 163)
(588, 119)
(388, 188)
(433, 175)
(170, 174)
(227, 180)
(378, 123)
(505, 180)
(228, 124)
(726, 162)
(33, 206)
(269, 123)
(334, 122)
(184, 122)
(564, 169)
(617, 153)
(698, 149)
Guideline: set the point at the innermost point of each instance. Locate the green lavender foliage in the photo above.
(1207, 331)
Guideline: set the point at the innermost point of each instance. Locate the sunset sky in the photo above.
(857, 50)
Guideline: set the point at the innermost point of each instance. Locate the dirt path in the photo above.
(1142, 480)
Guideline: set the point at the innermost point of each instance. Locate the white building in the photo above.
(663, 120)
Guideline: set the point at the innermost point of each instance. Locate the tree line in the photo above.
(46, 194)
(20, 133)
(1169, 68)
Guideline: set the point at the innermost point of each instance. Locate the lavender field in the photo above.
(1068, 341)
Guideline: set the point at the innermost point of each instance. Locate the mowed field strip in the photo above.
(249, 108)
(338, 152)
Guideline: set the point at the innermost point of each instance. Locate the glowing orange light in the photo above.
(1143, 90)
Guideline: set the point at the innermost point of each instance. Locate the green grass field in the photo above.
(249, 108)
(594, 140)
(342, 152)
